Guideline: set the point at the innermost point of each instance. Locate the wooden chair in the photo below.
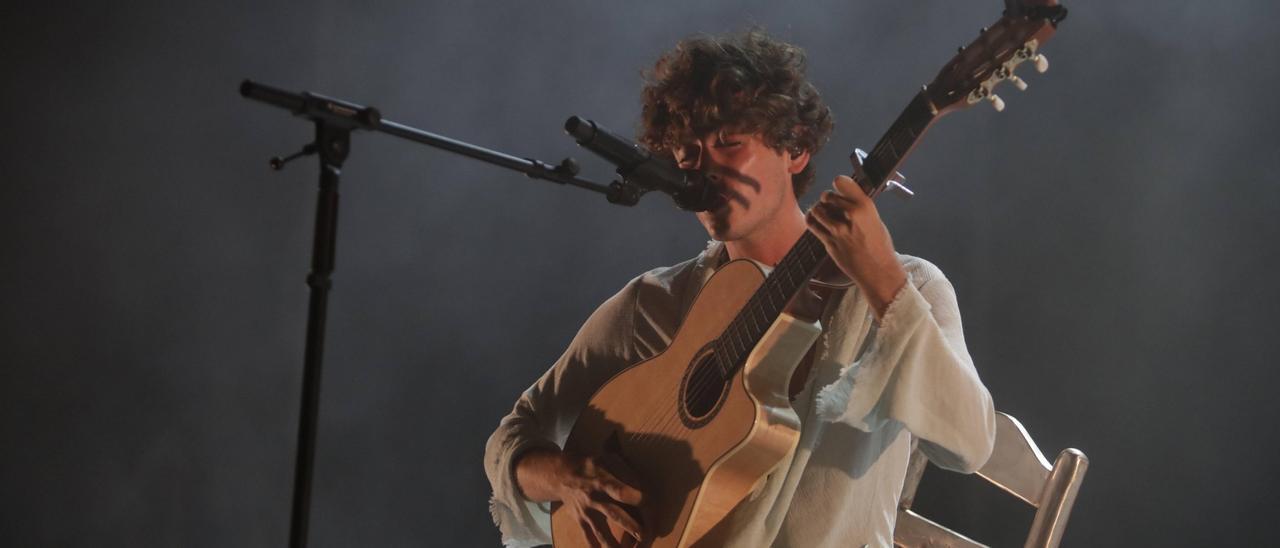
(1016, 466)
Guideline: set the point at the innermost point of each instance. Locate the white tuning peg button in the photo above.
(996, 102)
(1042, 62)
(1018, 83)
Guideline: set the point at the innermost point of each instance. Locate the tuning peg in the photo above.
(996, 102)
(1042, 62)
(1004, 73)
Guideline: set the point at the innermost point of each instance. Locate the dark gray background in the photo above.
(1110, 236)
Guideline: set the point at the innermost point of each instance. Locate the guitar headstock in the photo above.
(972, 75)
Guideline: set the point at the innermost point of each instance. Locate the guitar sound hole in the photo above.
(703, 390)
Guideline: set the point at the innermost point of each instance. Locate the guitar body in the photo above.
(696, 458)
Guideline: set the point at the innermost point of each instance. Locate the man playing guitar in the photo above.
(890, 366)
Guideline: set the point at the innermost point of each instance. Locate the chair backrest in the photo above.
(1016, 466)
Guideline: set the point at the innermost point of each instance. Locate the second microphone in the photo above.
(641, 168)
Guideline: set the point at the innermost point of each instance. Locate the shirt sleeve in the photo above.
(546, 411)
(914, 368)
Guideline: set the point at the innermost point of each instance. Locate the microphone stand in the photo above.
(334, 121)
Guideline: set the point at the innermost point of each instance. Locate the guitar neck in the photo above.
(799, 265)
(894, 146)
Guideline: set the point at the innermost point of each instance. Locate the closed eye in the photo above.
(728, 140)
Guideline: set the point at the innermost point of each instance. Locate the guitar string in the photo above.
(661, 419)
(700, 385)
(710, 384)
(736, 354)
(730, 359)
(894, 144)
(703, 387)
(666, 419)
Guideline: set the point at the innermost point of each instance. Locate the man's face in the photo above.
(753, 182)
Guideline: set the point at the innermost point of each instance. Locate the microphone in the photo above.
(639, 167)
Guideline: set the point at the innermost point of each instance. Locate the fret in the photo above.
(735, 340)
(725, 368)
(902, 138)
(737, 351)
(910, 132)
(895, 141)
(810, 249)
(775, 300)
(898, 141)
(876, 152)
(744, 335)
(778, 296)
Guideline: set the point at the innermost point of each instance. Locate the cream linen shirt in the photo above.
(873, 385)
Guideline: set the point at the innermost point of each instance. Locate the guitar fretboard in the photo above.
(764, 307)
(897, 143)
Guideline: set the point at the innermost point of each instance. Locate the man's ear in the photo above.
(798, 162)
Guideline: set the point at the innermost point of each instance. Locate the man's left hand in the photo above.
(847, 223)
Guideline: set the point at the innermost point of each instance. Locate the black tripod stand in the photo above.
(334, 121)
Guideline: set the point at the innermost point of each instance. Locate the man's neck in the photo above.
(770, 244)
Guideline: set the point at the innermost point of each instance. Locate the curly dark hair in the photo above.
(743, 82)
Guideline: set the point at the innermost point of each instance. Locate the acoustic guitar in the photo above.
(705, 421)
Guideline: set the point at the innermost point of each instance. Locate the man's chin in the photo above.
(715, 225)
(722, 232)
(720, 225)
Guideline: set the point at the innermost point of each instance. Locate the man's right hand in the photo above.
(589, 488)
